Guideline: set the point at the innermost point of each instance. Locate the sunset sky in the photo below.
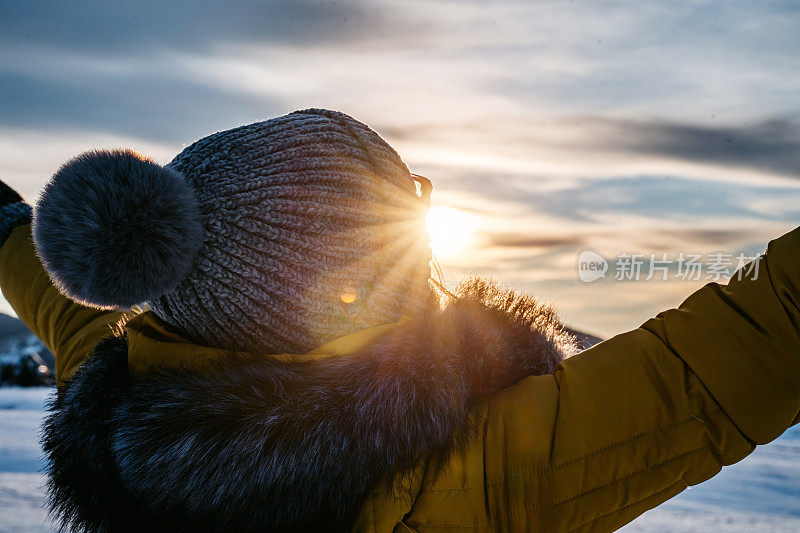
(554, 127)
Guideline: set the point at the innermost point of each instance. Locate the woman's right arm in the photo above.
(631, 422)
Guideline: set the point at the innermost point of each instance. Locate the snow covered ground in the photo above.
(21, 412)
(762, 493)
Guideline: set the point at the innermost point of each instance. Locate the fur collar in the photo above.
(262, 445)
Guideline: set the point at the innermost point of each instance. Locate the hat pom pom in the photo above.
(115, 229)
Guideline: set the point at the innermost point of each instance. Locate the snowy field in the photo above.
(762, 493)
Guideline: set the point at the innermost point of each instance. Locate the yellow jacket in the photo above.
(614, 431)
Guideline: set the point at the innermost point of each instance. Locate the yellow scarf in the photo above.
(151, 345)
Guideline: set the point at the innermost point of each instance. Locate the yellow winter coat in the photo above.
(617, 430)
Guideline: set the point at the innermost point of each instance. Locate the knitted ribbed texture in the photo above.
(313, 230)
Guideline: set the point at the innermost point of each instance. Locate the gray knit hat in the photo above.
(272, 237)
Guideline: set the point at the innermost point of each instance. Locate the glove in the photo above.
(13, 211)
(8, 195)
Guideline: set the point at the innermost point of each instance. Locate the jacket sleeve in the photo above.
(631, 422)
(68, 329)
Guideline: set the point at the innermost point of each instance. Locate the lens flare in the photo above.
(450, 230)
(348, 296)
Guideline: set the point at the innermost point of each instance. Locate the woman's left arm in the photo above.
(69, 330)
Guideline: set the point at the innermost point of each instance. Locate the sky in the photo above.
(557, 126)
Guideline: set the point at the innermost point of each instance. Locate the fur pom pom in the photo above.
(104, 209)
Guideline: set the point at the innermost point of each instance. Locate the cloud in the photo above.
(527, 241)
(163, 110)
(702, 237)
(553, 205)
(663, 198)
(29, 156)
(767, 145)
(600, 146)
(96, 25)
(559, 125)
(652, 240)
(518, 87)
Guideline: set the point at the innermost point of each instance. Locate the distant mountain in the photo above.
(11, 326)
(585, 340)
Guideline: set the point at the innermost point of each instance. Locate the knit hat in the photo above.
(273, 237)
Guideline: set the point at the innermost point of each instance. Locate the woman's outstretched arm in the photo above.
(633, 421)
(69, 330)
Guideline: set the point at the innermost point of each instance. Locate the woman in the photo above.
(296, 370)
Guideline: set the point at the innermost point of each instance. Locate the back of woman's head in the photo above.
(273, 237)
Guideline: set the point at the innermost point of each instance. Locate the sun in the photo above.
(450, 230)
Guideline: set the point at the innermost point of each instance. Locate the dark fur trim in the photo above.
(260, 445)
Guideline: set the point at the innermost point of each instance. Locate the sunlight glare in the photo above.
(450, 230)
